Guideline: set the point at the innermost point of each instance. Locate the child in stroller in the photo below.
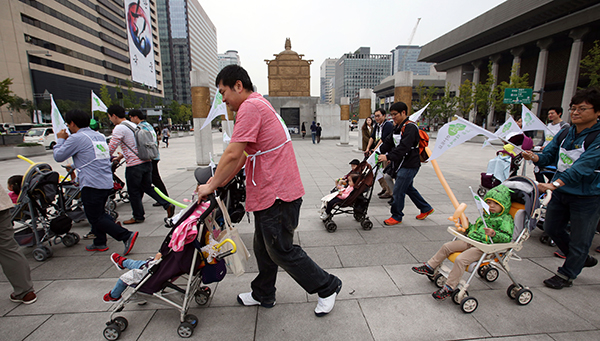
(357, 202)
(343, 191)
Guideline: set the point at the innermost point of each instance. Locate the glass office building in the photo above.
(404, 58)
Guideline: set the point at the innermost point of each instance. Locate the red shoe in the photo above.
(109, 299)
(424, 215)
(118, 260)
(391, 221)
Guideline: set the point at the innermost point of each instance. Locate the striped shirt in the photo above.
(123, 137)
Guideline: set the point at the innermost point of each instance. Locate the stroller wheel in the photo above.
(468, 305)
(491, 274)
(76, 236)
(40, 254)
(359, 216)
(330, 226)
(185, 330)
(439, 280)
(524, 296)
(191, 319)
(121, 322)
(366, 224)
(481, 191)
(111, 205)
(124, 196)
(114, 215)
(112, 332)
(456, 298)
(68, 240)
(201, 297)
(513, 290)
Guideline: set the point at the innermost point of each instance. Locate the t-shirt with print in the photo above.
(275, 173)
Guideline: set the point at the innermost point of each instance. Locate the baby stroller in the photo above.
(191, 262)
(118, 193)
(36, 215)
(357, 203)
(525, 212)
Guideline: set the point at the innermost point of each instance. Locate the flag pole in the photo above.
(480, 214)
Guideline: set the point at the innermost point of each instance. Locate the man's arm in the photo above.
(65, 148)
(230, 164)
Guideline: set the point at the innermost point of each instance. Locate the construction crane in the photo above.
(412, 35)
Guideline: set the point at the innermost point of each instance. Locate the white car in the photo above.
(43, 136)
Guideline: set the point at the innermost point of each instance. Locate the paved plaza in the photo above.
(381, 298)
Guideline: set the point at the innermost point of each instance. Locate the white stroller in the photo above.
(525, 212)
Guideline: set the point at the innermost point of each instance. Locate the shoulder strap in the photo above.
(125, 143)
(589, 139)
(562, 135)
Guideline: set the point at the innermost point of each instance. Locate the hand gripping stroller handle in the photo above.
(228, 252)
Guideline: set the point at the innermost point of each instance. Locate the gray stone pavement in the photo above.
(381, 298)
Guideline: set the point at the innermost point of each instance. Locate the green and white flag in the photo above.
(480, 203)
(97, 104)
(457, 132)
(218, 108)
(58, 123)
(531, 121)
(415, 117)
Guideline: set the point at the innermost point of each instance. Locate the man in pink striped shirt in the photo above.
(138, 173)
(273, 192)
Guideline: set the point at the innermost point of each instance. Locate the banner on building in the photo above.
(139, 36)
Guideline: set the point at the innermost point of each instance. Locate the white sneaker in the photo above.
(325, 305)
(246, 299)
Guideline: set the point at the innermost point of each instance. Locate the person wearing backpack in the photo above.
(575, 187)
(402, 149)
(138, 173)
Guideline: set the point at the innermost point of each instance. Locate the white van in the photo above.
(43, 136)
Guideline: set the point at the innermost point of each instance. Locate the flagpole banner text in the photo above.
(139, 36)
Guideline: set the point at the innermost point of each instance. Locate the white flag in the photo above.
(218, 108)
(480, 203)
(456, 132)
(531, 121)
(510, 126)
(58, 123)
(415, 117)
(97, 104)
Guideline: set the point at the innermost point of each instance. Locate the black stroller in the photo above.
(357, 203)
(191, 262)
(38, 216)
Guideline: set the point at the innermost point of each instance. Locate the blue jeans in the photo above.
(94, 200)
(139, 181)
(314, 136)
(273, 248)
(584, 213)
(130, 264)
(404, 186)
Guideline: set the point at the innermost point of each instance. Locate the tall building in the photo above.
(327, 73)
(230, 57)
(67, 48)
(404, 58)
(359, 70)
(188, 42)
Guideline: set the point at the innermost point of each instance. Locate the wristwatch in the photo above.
(556, 184)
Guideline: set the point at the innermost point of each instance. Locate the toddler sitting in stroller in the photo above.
(332, 199)
(500, 226)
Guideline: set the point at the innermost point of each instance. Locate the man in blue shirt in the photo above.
(575, 187)
(92, 159)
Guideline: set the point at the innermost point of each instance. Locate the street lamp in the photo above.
(31, 52)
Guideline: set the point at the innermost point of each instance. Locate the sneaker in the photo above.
(247, 300)
(29, 298)
(423, 269)
(557, 282)
(391, 221)
(559, 254)
(156, 204)
(109, 299)
(590, 262)
(385, 196)
(89, 236)
(170, 210)
(118, 260)
(325, 305)
(129, 243)
(598, 249)
(94, 247)
(133, 221)
(424, 215)
(381, 193)
(443, 293)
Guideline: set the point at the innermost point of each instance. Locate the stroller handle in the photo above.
(228, 252)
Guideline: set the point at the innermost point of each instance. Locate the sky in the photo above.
(322, 29)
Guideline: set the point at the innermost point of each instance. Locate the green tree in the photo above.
(515, 82)
(590, 65)
(485, 93)
(465, 100)
(5, 92)
(445, 106)
(17, 104)
(105, 96)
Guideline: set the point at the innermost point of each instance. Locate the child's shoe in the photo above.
(118, 260)
(443, 293)
(109, 299)
(423, 270)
